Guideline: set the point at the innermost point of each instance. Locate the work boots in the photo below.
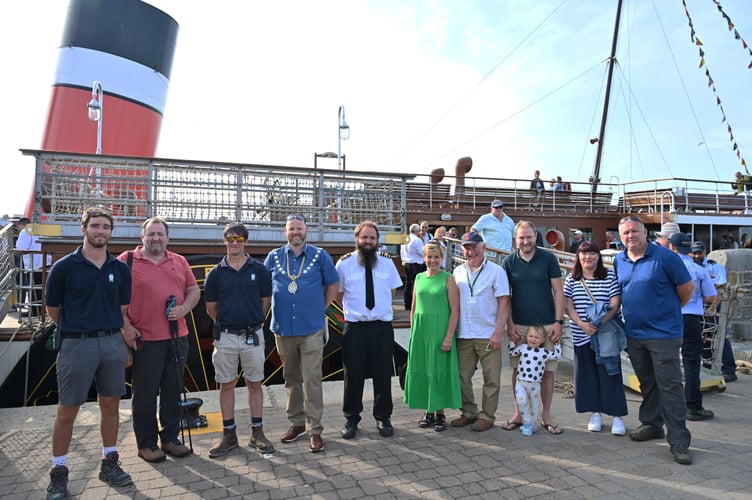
(229, 442)
(259, 441)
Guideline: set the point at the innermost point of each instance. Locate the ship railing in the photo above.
(210, 193)
(685, 195)
(476, 194)
(7, 270)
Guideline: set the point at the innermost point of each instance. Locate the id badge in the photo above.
(249, 339)
(472, 300)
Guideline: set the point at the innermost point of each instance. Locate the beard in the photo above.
(96, 243)
(367, 256)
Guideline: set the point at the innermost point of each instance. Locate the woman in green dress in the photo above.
(432, 381)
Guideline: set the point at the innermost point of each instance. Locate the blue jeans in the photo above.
(656, 364)
(691, 358)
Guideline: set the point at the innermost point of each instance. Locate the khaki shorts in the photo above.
(551, 365)
(230, 349)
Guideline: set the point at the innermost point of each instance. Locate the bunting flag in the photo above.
(711, 84)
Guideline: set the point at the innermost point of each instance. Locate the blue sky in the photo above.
(517, 86)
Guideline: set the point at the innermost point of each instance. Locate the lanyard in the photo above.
(472, 284)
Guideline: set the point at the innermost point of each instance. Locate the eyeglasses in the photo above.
(296, 217)
(233, 239)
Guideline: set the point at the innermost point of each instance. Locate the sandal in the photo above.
(511, 425)
(551, 428)
(426, 421)
(440, 424)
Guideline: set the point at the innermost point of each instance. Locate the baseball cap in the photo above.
(682, 242)
(698, 246)
(578, 231)
(497, 204)
(668, 229)
(471, 239)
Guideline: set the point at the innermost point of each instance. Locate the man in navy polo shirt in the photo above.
(87, 296)
(304, 283)
(238, 293)
(654, 333)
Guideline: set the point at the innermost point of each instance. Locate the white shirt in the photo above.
(412, 251)
(352, 283)
(28, 241)
(479, 303)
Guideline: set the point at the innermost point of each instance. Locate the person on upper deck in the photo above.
(537, 186)
(496, 227)
(742, 183)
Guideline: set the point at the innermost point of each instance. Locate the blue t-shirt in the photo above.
(238, 293)
(89, 297)
(302, 312)
(649, 300)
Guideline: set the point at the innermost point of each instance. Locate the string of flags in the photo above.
(711, 84)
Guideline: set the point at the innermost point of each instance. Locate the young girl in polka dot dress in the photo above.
(530, 370)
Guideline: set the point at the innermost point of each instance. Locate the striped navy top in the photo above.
(602, 289)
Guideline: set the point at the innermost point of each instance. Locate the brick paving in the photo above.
(414, 463)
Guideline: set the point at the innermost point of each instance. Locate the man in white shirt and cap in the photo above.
(667, 231)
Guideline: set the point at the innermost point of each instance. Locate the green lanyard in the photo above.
(471, 285)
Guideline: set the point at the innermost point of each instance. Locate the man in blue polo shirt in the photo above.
(238, 293)
(304, 283)
(87, 296)
(654, 333)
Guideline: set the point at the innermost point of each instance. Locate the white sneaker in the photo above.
(595, 423)
(617, 428)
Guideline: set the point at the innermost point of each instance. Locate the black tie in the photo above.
(370, 302)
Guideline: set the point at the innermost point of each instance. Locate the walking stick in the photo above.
(181, 387)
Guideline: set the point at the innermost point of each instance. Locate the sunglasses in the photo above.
(630, 218)
(295, 217)
(233, 239)
(98, 212)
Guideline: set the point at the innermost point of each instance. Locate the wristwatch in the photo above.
(560, 321)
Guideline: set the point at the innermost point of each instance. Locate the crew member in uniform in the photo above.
(366, 281)
(238, 293)
(87, 296)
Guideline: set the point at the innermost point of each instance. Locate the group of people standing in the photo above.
(103, 306)
(458, 321)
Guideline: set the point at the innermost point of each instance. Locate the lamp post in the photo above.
(343, 134)
(95, 111)
(95, 115)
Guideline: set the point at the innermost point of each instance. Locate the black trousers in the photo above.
(367, 349)
(411, 271)
(155, 372)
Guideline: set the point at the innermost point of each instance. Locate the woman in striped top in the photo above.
(594, 389)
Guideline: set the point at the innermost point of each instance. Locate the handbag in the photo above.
(401, 373)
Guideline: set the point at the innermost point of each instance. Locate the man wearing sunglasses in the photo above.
(304, 283)
(87, 296)
(238, 293)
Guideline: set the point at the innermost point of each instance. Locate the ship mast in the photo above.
(595, 179)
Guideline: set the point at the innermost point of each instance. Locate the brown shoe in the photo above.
(481, 425)
(259, 441)
(317, 444)
(462, 421)
(153, 455)
(293, 433)
(176, 449)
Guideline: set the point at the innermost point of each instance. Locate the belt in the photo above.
(90, 335)
(241, 331)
